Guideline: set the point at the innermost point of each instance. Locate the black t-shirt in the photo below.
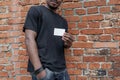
(50, 47)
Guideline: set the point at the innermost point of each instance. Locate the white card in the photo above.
(59, 31)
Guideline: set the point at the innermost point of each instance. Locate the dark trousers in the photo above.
(50, 75)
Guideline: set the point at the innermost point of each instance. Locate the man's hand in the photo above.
(41, 75)
(68, 39)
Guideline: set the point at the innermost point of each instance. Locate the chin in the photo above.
(53, 7)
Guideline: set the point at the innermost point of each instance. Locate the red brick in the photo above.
(3, 35)
(114, 58)
(114, 72)
(74, 32)
(93, 18)
(90, 4)
(95, 3)
(24, 72)
(116, 37)
(105, 38)
(72, 77)
(8, 54)
(106, 65)
(93, 38)
(1, 67)
(114, 2)
(116, 8)
(81, 78)
(78, 52)
(68, 52)
(73, 18)
(94, 24)
(93, 59)
(6, 28)
(10, 40)
(22, 52)
(101, 2)
(105, 10)
(4, 3)
(82, 65)
(20, 65)
(111, 30)
(14, 46)
(14, 33)
(71, 65)
(3, 22)
(91, 51)
(117, 78)
(105, 44)
(71, 5)
(23, 78)
(20, 39)
(93, 78)
(80, 11)
(19, 14)
(116, 65)
(71, 25)
(68, 12)
(9, 67)
(68, 0)
(7, 15)
(115, 51)
(3, 9)
(23, 58)
(33, 2)
(82, 24)
(106, 78)
(91, 31)
(3, 74)
(82, 45)
(92, 10)
(25, 8)
(94, 66)
(15, 8)
(1, 54)
(105, 24)
(73, 58)
(82, 38)
(4, 61)
(75, 72)
(16, 21)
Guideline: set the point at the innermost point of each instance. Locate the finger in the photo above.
(68, 40)
(69, 36)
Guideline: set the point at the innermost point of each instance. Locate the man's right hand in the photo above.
(41, 75)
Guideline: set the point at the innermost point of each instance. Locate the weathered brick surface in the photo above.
(95, 25)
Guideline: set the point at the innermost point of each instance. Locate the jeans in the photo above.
(50, 75)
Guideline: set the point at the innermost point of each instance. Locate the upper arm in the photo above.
(30, 34)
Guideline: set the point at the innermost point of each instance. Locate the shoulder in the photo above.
(36, 8)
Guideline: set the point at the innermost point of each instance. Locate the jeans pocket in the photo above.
(49, 75)
(44, 78)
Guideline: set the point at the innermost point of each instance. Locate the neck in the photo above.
(54, 10)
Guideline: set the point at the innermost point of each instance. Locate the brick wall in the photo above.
(95, 24)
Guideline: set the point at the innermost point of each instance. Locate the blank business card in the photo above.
(59, 31)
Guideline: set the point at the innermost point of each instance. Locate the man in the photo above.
(45, 45)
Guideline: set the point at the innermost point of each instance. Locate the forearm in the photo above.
(33, 53)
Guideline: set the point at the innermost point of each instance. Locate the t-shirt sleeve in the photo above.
(31, 21)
